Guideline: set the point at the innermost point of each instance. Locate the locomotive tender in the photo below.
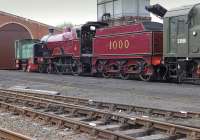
(129, 50)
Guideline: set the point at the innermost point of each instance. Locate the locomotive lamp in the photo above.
(92, 28)
(179, 67)
(194, 33)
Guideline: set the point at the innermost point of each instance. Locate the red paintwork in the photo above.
(131, 43)
(70, 48)
(138, 44)
(111, 43)
(120, 29)
(67, 41)
(32, 67)
(158, 43)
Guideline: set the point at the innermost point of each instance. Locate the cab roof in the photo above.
(184, 10)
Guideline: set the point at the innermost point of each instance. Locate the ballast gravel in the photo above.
(38, 131)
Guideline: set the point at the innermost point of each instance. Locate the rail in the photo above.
(112, 106)
(101, 122)
(10, 135)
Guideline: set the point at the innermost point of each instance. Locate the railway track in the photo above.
(137, 110)
(9, 135)
(95, 120)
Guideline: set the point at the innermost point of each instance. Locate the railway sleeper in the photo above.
(110, 119)
(60, 111)
(156, 137)
(98, 105)
(110, 127)
(172, 113)
(126, 109)
(136, 132)
(154, 112)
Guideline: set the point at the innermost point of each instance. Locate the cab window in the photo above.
(78, 32)
(181, 25)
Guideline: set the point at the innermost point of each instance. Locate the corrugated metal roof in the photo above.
(122, 8)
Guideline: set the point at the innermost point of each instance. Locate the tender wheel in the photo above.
(106, 75)
(76, 68)
(144, 77)
(124, 76)
(99, 68)
(75, 71)
(60, 70)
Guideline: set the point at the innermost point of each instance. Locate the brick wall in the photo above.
(37, 29)
(15, 28)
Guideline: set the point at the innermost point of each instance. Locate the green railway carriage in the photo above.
(182, 42)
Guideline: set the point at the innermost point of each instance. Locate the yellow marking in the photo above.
(120, 44)
(127, 44)
(115, 45)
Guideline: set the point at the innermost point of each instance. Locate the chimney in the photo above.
(51, 30)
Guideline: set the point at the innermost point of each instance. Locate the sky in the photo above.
(55, 12)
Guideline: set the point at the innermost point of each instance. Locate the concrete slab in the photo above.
(27, 89)
(154, 137)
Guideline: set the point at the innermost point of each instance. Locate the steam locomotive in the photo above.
(146, 49)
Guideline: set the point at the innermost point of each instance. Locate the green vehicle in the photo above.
(181, 46)
(182, 43)
(26, 51)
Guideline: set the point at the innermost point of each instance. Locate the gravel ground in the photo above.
(37, 131)
(181, 97)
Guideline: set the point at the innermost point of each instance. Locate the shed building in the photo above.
(13, 28)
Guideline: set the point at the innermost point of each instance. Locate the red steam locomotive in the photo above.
(97, 49)
(126, 50)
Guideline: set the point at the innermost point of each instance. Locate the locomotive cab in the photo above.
(87, 34)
